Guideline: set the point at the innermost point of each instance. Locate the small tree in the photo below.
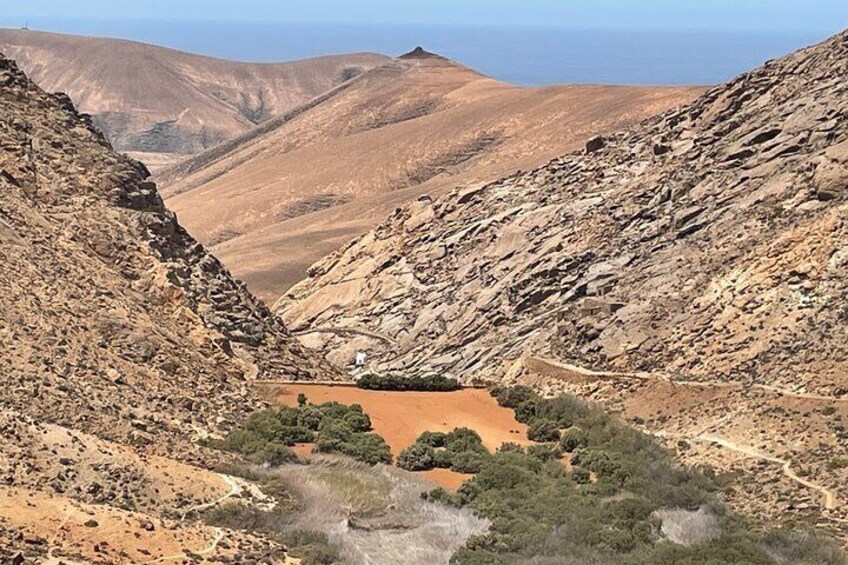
(301, 400)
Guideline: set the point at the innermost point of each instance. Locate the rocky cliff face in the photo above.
(113, 320)
(707, 243)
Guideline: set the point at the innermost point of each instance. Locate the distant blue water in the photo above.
(520, 55)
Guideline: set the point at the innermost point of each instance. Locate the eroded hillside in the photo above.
(123, 341)
(302, 185)
(163, 105)
(691, 271)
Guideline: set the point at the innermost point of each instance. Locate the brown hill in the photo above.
(692, 270)
(276, 200)
(161, 104)
(123, 339)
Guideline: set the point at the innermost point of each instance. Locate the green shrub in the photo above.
(433, 439)
(310, 417)
(512, 397)
(543, 431)
(573, 438)
(526, 411)
(468, 461)
(340, 429)
(581, 475)
(542, 514)
(544, 452)
(417, 457)
(442, 459)
(510, 447)
(441, 496)
(358, 421)
(464, 439)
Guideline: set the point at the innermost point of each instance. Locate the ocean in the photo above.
(520, 55)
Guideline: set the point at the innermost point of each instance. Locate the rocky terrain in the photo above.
(163, 105)
(123, 342)
(691, 271)
(280, 197)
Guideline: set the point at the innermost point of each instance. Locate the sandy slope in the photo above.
(161, 103)
(276, 200)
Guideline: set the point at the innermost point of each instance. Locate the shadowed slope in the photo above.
(164, 104)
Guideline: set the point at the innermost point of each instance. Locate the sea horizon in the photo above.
(522, 55)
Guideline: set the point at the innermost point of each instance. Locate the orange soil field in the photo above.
(400, 417)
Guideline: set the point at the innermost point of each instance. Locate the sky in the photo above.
(825, 16)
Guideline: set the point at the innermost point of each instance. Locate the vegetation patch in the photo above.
(605, 509)
(461, 450)
(267, 436)
(422, 383)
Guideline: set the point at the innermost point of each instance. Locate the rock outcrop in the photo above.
(708, 242)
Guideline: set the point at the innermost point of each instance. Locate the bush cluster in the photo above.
(266, 436)
(427, 383)
(461, 450)
(601, 509)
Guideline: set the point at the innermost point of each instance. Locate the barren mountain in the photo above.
(691, 271)
(163, 105)
(300, 186)
(123, 339)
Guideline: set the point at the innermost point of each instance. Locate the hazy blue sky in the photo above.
(749, 15)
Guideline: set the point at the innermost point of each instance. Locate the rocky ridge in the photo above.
(703, 250)
(108, 303)
(123, 342)
(164, 105)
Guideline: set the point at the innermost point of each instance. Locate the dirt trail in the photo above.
(51, 558)
(830, 498)
(235, 489)
(644, 376)
(220, 533)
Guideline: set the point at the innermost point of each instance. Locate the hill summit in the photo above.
(420, 53)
